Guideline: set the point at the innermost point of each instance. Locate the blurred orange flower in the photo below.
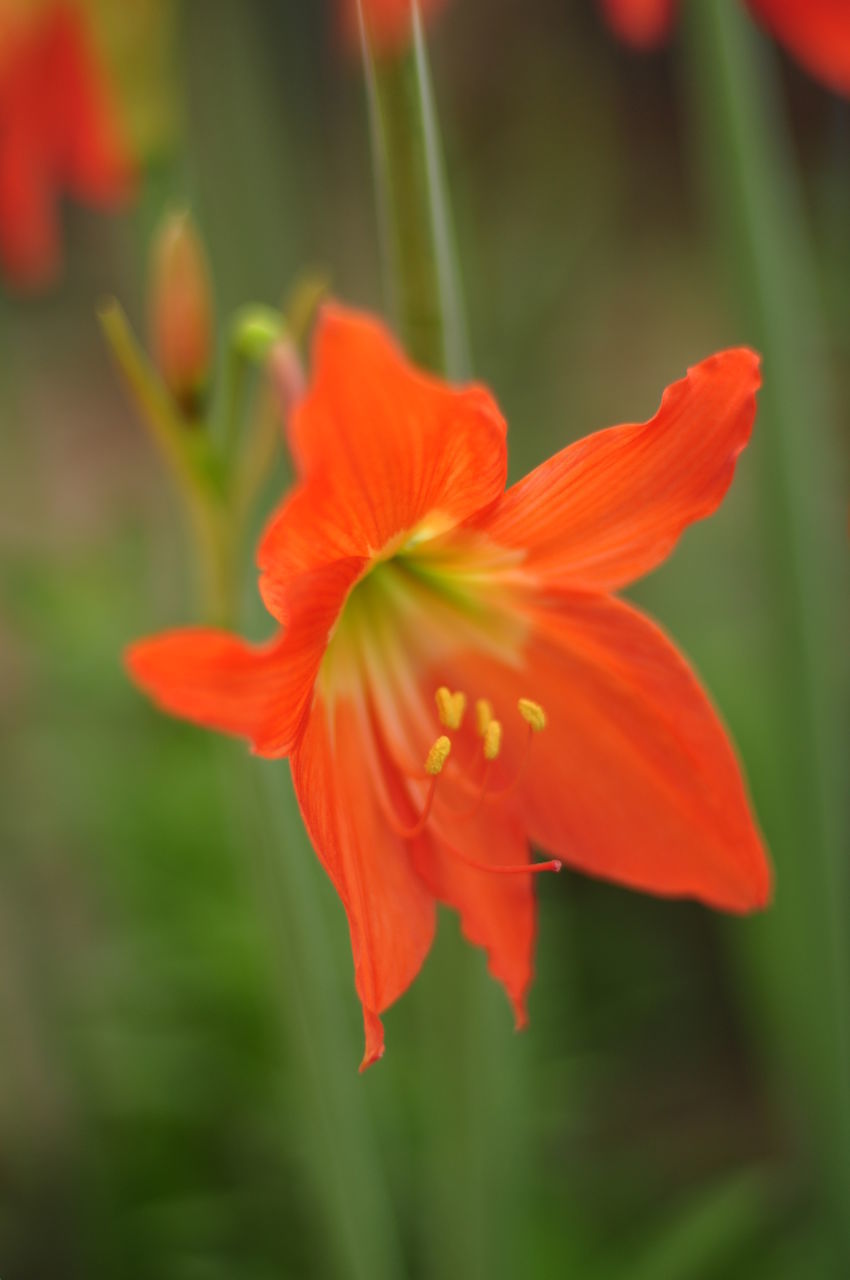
(58, 132)
(453, 679)
(816, 32)
(389, 22)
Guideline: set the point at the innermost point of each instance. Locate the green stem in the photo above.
(152, 399)
(802, 946)
(189, 457)
(416, 227)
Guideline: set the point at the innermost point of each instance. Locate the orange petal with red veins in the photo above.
(634, 778)
(337, 770)
(816, 33)
(607, 509)
(262, 693)
(643, 23)
(380, 446)
(497, 912)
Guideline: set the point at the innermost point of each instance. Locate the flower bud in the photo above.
(181, 309)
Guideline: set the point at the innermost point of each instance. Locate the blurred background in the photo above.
(179, 1032)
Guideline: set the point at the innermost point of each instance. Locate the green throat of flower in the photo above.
(416, 607)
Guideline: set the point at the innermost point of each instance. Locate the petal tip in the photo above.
(135, 659)
(520, 1013)
(762, 896)
(755, 892)
(743, 361)
(375, 1047)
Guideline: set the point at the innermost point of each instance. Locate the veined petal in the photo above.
(379, 446)
(609, 508)
(816, 32)
(497, 912)
(337, 769)
(643, 23)
(634, 778)
(262, 693)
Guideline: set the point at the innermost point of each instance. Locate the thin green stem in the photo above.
(189, 456)
(803, 943)
(235, 379)
(153, 400)
(419, 260)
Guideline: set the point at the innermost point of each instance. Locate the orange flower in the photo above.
(816, 32)
(389, 22)
(58, 132)
(453, 679)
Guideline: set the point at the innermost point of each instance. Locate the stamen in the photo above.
(450, 707)
(492, 747)
(434, 761)
(518, 869)
(532, 713)
(492, 740)
(437, 756)
(483, 715)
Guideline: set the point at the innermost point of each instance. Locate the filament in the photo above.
(514, 869)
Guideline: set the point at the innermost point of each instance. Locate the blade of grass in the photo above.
(801, 948)
(708, 1234)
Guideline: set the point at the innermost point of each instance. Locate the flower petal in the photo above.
(89, 154)
(29, 233)
(497, 912)
(634, 779)
(643, 23)
(337, 769)
(816, 32)
(380, 446)
(610, 507)
(263, 692)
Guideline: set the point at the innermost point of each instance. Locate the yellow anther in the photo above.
(532, 713)
(483, 715)
(492, 740)
(450, 707)
(438, 755)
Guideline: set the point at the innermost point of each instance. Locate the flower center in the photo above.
(451, 708)
(426, 601)
(431, 597)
